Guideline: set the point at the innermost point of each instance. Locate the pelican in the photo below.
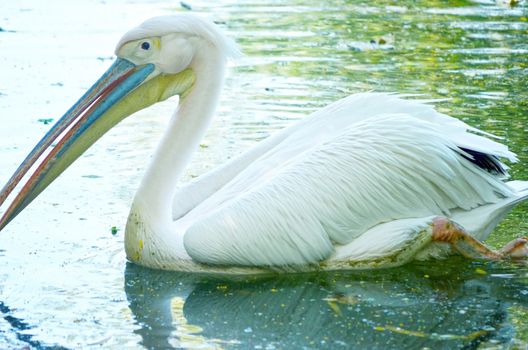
(372, 180)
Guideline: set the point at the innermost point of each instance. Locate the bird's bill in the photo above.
(124, 89)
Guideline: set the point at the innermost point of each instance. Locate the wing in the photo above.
(365, 160)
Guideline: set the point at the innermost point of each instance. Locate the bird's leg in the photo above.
(445, 230)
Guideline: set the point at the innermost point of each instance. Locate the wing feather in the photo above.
(365, 160)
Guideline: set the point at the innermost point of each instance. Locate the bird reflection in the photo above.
(409, 307)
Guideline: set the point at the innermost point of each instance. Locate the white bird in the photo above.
(372, 180)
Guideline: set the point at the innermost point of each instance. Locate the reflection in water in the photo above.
(460, 305)
(19, 329)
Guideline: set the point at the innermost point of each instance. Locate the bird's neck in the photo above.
(183, 135)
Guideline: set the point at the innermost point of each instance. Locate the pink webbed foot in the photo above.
(445, 230)
(516, 249)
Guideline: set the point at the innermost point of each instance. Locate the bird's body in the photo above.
(358, 184)
(304, 198)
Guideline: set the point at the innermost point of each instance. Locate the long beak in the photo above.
(124, 89)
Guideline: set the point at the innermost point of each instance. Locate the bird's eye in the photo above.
(145, 45)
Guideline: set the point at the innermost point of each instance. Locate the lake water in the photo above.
(64, 280)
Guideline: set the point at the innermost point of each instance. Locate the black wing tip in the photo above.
(485, 161)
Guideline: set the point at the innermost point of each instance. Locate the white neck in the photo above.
(184, 133)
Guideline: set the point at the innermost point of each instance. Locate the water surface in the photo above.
(64, 281)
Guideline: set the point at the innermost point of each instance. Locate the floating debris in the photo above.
(382, 43)
(435, 336)
(45, 121)
(113, 230)
(185, 6)
(480, 271)
(335, 308)
(91, 176)
(106, 58)
(508, 3)
(343, 299)
(222, 287)
(383, 40)
(3, 30)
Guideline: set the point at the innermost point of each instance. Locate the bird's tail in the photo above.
(482, 220)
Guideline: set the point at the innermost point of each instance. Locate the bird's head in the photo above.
(154, 62)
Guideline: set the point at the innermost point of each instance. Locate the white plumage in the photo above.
(337, 176)
(356, 184)
(360, 183)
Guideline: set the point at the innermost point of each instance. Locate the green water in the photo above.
(64, 281)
